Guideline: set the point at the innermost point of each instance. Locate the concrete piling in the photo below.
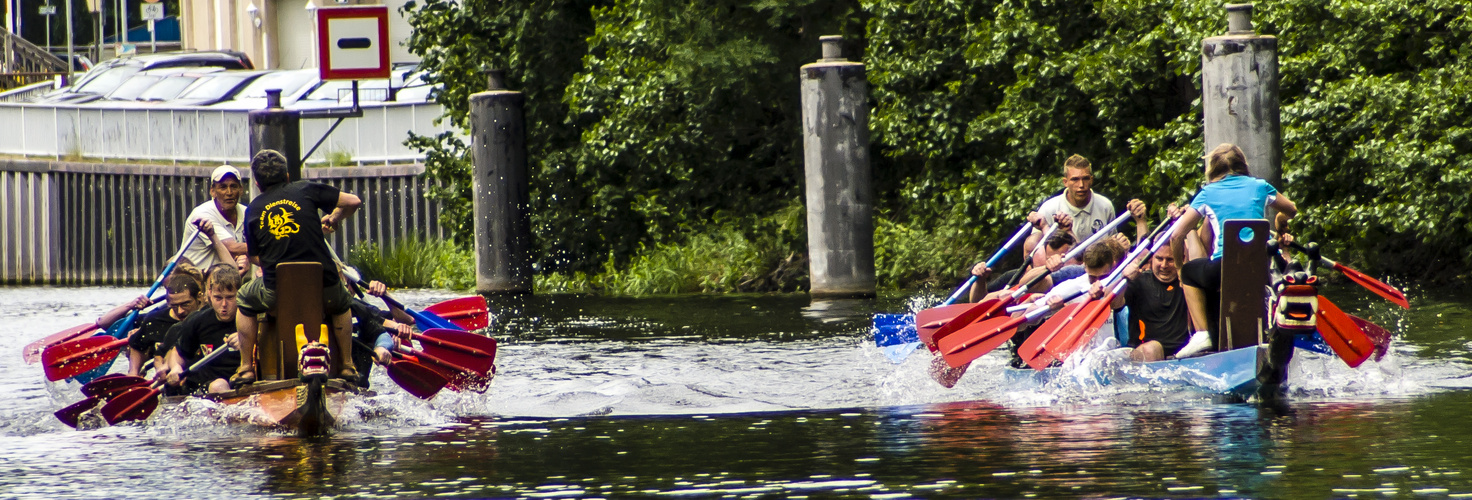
(502, 208)
(278, 129)
(1239, 93)
(839, 196)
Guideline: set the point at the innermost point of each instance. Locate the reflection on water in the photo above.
(762, 396)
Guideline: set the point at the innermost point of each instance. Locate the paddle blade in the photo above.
(137, 403)
(481, 365)
(110, 385)
(1342, 334)
(1076, 332)
(894, 329)
(1379, 287)
(421, 381)
(72, 414)
(944, 374)
(75, 357)
(928, 321)
(969, 343)
(1378, 334)
(470, 313)
(32, 351)
(977, 312)
(469, 343)
(1033, 350)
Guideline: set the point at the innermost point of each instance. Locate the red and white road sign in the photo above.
(352, 42)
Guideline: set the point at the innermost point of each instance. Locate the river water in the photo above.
(767, 396)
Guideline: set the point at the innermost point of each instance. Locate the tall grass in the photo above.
(746, 254)
(416, 262)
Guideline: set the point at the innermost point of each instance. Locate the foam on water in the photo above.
(672, 375)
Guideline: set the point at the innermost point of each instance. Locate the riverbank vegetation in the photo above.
(665, 148)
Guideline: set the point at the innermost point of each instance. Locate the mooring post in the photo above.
(840, 200)
(502, 208)
(278, 129)
(1239, 93)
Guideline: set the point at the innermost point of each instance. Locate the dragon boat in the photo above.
(293, 390)
(1263, 296)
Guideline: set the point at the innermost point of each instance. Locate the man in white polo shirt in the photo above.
(222, 223)
(1089, 211)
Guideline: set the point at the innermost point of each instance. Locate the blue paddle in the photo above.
(896, 335)
(120, 328)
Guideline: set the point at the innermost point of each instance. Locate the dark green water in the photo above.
(759, 396)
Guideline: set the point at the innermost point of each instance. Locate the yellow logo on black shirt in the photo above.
(280, 220)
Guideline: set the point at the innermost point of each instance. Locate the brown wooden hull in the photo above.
(311, 409)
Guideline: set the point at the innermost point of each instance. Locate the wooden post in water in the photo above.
(502, 200)
(278, 129)
(840, 200)
(1239, 93)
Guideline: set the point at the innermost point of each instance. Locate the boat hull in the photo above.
(1227, 372)
(310, 409)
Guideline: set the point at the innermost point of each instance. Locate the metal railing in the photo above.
(201, 134)
(80, 223)
(22, 62)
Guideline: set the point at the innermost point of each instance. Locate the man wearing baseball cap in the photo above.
(221, 222)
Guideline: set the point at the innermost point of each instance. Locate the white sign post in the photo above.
(152, 11)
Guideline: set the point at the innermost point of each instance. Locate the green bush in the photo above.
(416, 262)
(648, 120)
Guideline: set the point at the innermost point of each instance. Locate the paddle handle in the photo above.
(1022, 233)
(207, 359)
(158, 282)
(432, 359)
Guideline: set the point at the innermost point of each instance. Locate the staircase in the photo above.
(24, 63)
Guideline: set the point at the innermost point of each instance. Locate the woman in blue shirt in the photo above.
(1230, 193)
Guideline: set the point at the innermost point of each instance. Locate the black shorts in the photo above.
(1206, 274)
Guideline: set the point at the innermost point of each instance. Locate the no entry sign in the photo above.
(352, 42)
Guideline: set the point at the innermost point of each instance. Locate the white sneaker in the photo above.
(1200, 341)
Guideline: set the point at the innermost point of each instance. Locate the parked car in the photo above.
(217, 87)
(140, 82)
(107, 76)
(292, 83)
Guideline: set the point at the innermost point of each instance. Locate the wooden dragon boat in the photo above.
(286, 397)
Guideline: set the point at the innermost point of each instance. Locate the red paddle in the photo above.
(1033, 352)
(75, 357)
(1342, 334)
(1379, 287)
(466, 342)
(1378, 334)
(416, 378)
(987, 308)
(32, 351)
(470, 313)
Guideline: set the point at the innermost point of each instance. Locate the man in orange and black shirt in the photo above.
(1158, 318)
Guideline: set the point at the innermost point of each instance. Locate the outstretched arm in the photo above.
(346, 205)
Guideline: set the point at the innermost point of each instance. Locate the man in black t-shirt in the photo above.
(282, 225)
(1158, 321)
(204, 331)
(144, 344)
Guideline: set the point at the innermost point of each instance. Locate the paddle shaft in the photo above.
(1021, 234)
(128, 321)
